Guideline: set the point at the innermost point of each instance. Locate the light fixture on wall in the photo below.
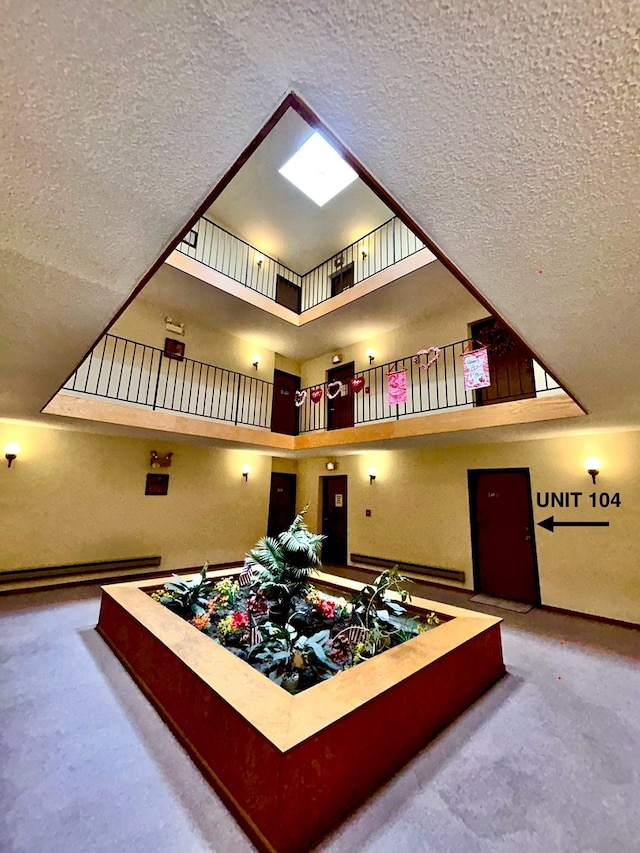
(365, 255)
(11, 450)
(372, 475)
(371, 355)
(160, 460)
(255, 360)
(173, 327)
(331, 465)
(246, 470)
(259, 261)
(592, 464)
(336, 359)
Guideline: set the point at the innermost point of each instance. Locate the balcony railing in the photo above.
(136, 373)
(441, 386)
(132, 372)
(222, 251)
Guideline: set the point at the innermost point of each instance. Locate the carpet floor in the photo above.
(547, 761)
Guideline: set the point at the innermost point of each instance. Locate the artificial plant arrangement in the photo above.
(282, 625)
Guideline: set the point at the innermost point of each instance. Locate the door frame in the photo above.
(472, 478)
(328, 381)
(273, 401)
(323, 480)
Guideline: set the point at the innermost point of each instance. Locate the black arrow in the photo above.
(549, 523)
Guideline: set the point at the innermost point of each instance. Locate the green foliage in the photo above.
(282, 565)
(372, 603)
(288, 654)
(227, 589)
(189, 596)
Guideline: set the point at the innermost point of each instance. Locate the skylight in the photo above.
(318, 171)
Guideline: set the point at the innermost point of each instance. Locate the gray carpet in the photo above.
(546, 762)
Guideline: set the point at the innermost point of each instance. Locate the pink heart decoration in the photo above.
(316, 395)
(331, 393)
(426, 365)
(357, 384)
(300, 397)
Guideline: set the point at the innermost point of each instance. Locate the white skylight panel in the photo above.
(318, 171)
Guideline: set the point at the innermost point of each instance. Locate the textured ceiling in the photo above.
(508, 131)
(268, 212)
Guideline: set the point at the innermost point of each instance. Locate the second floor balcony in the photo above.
(358, 407)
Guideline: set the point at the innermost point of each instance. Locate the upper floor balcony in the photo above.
(213, 254)
(164, 392)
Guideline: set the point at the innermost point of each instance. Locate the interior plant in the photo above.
(289, 654)
(375, 609)
(186, 596)
(282, 566)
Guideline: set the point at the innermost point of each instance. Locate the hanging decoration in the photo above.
(425, 365)
(357, 384)
(300, 397)
(475, 368)
(333, 389)
(397, 386)
(316, 395)
(497, 338)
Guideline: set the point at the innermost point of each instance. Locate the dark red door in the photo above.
(284, 413)
(334, 520)
(502, 531)
(340, 409)
(510, 364)
(282, 503)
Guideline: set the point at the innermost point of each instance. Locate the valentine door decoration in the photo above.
(316, 395)
(475, 368)
(397, 386)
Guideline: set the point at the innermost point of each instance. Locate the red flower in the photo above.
(326, 608)
(239, 620)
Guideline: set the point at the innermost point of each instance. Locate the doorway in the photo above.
(342, 280)
(334, 520)
(284, 412)
(510, 364)
(282, 502)
(505, 563)
(340, 409)
(288, 294)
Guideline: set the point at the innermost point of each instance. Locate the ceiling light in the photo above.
(318, 170)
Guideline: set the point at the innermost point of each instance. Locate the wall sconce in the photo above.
(246, 470)
(259, 261)
(372, 475)
(331, 466)
(336, 359)
(370, 355)
(365, 255)
(255, 361)
(160, 460)
(173, 327)
(592, 464)
(11, 450)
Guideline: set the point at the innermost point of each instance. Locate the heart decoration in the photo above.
(337, 385)
(426, 365)
(300, 397)
(316, 395)
(357, 384)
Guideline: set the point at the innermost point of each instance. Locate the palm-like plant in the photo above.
(282, 565)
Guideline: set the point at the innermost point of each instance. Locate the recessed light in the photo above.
(318, 171)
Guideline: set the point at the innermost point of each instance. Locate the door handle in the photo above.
(527, 538)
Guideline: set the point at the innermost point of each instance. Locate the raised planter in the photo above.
(291, 767)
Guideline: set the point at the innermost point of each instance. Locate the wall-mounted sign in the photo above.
(339, 501)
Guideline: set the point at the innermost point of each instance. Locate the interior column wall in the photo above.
(74, 497)
(419, 506)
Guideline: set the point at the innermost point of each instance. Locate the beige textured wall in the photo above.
(420, 513)
(73, 497)
(441, 328)
(145, 323)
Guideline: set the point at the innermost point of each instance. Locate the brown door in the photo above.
(502, 535)
(288, 294)
(284, 414)
(334, 520)
(282, 503)
(510, 364)
(342, 280)
(340, 409)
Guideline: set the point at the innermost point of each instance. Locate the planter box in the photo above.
(291, 767)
